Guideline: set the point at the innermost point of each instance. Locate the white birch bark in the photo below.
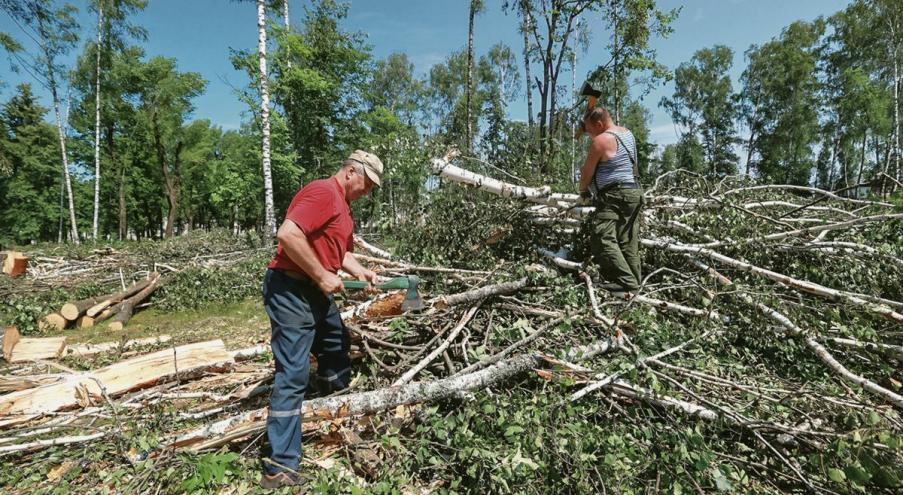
(65, 156)
(97, 122)
(270, 225)
(285, 12)
(896, 130)
(793, 283)
(823, 354)
(469, 88)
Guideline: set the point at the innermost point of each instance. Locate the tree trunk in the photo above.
(525, 27)
(97, 121)
(51, 79)
(123, 216)
(469, 87)
(862, 160)
(832, 176)
(170, 178)
(118, 378)
(270, 226)
(896, 129)
(285, 13)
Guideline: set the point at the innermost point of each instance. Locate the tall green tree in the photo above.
(863, 55)
(165, 99)
(704, 104)
(394, 87)
(781, 96)
(97, 94)
(55, 31)
(326, 68)
(476, 7)
(29, 191)
(553, 30)
(631, 25)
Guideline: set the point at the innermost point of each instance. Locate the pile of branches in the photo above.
(761, 354)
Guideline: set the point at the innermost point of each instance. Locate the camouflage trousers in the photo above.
(615, 236)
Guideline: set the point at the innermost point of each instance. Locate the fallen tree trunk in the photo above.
(371, 248)
(472, 296)
(128, 306)
(253, 422)
(793, 283)
(816, 347)
(85, 350)
(122, 295)
(141, 371)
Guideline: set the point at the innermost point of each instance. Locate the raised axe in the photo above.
(412, 299)
(592, 96)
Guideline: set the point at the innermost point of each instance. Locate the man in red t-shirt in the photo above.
(315, 240)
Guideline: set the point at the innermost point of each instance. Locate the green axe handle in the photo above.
(395, 283)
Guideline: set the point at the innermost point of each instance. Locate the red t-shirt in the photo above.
(320, 210)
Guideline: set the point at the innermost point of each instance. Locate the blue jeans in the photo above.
(303, 319)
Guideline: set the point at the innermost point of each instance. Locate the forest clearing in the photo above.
(428, 288)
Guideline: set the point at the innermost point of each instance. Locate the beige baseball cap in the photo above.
(373, 167)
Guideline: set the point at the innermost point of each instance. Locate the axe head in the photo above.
(588, 90)
(412, 299)
(592, 96)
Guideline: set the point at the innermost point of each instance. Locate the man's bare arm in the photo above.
(299, 250)
(351, 265)
(593, 155)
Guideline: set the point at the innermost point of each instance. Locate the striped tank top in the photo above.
(619, 168)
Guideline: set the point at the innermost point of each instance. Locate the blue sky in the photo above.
(200, 34)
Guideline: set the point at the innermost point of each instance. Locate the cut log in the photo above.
(118, 297)
(18, 349)
(14, 263)
(83, 350)
(71, 311)
(53, 320)
(138, 372)
(85, 322)
(10, 338)
(128, 306)
(107, 313)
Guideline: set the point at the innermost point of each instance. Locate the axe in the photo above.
(412, 299)
(592, 96)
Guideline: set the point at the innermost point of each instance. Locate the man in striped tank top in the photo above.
(609, 179)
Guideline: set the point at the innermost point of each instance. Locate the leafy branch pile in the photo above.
(761, 355)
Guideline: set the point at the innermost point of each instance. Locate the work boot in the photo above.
(617, 290)
(279, 480)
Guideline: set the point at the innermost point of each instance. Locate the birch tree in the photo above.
(269, 215)
(55, 31)
(476, 6)
(97, 120)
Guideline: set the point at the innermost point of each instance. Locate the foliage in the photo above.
(704, 104)
(781, 88)
(460, 228)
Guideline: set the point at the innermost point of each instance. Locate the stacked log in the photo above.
(127, 306)
(88, 312)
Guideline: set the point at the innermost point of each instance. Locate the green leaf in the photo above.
(836, 475)
(721, 482)
(857, 475)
